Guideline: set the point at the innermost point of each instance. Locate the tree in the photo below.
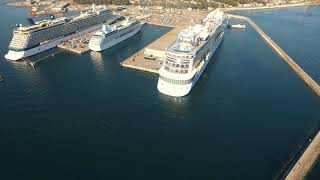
(121, 2)
(202, 4)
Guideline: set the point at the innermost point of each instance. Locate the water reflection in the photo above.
(33, 80)
(96, 56)
(97, 60)
(175, 107)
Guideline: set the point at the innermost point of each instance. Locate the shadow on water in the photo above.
(204, 78)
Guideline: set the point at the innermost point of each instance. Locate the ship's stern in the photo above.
(96, 42)
(94, 47)
(15, 55)
(172, 89)
(173, 84)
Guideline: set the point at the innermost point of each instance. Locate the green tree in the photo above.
(121, 2)
(202, 4)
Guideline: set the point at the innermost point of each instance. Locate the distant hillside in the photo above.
(115, 2)
(194, 4)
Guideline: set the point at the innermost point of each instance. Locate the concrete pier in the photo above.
(155, 51)
(82, 45)
(300, 72)
(306, 161)
(77, 50)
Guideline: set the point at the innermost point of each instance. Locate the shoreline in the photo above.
(270, 7)
(160, 24)
(26, 4)
(314, 3)
(19, 4)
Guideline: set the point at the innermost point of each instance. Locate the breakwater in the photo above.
(155, 52)
(306, 161)
(310, 155)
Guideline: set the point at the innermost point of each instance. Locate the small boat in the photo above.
(1, 79)
(237, 26)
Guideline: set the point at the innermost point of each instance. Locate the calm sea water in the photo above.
(85, 117)
(296, 30)
(299, 27)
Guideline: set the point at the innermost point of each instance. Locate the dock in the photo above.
(286, 58)
(154, 51)
(77, 50)
(79, 45)
(306, 161)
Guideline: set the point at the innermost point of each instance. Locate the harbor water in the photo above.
(85, 117)
(299, 27)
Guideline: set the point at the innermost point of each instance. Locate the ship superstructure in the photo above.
(109, 36)
(46, 34)
(187, 57)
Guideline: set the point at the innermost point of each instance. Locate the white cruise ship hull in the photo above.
(175, 91)
(17, 55)
(109, 44)
(182, 90)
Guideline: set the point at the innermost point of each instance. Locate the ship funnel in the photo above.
(52, 17)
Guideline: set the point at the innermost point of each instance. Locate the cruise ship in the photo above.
(187, 57)
(109, 36)
(46, 34)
